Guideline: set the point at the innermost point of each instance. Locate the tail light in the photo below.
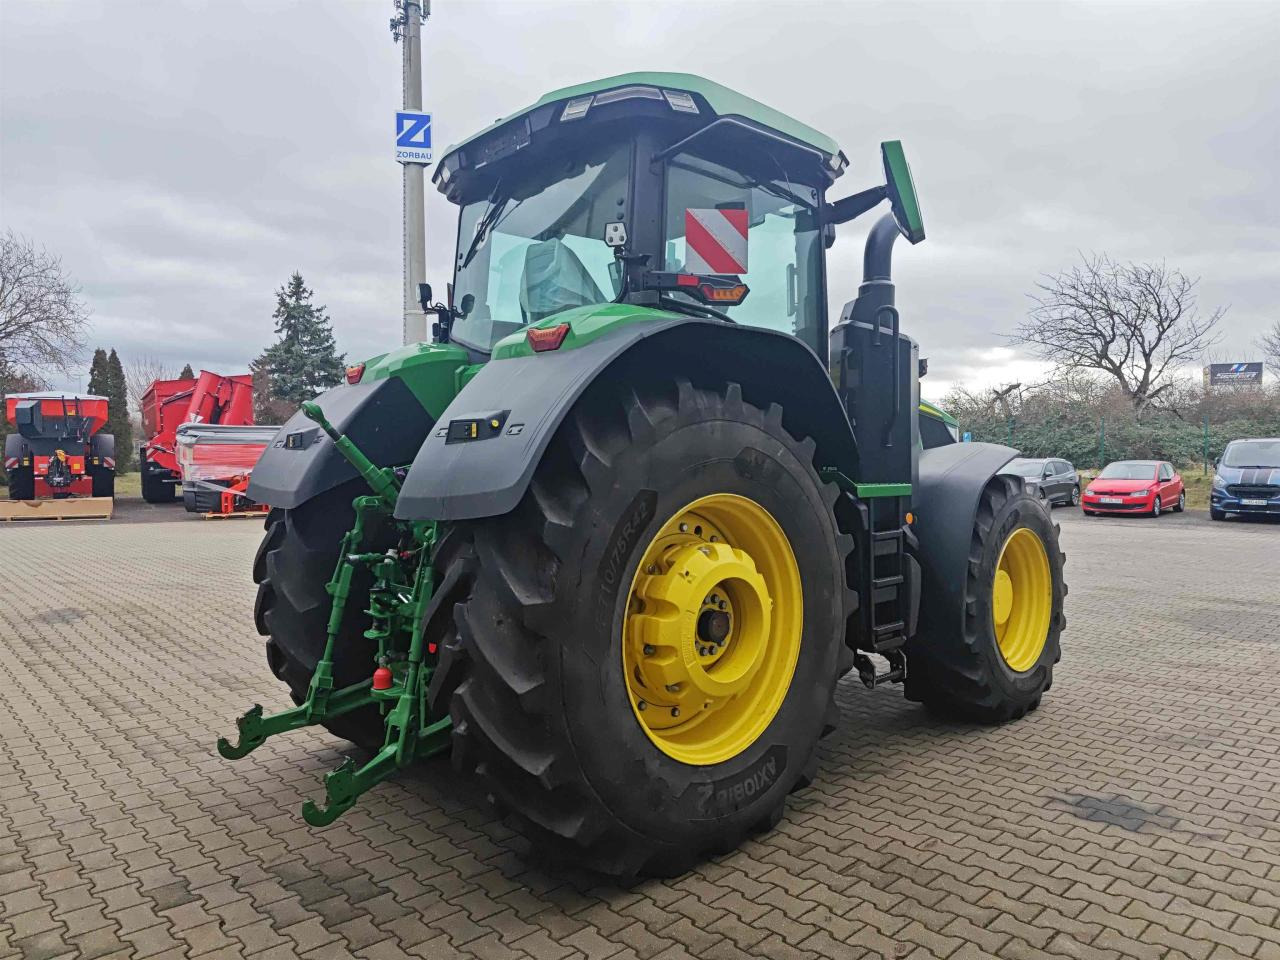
(355, 372)
(546, 338)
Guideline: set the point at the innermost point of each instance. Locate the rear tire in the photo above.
(104, 482)
(22, 484)
(156, 490)
(1182, 502)
(294, 562)
(544, 712)
(965, 673)
(1075, 495)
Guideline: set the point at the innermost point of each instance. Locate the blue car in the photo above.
(1247, 479)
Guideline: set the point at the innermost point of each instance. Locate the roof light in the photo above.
(680, 101)
(837, 163)
(628, 93)
(355, 372)
(576, 109)
(546, 338)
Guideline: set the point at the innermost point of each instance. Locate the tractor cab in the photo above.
(659, 189)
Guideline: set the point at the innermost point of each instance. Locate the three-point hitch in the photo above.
(399, 602)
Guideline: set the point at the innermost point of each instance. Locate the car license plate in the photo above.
(1254, 503)
(1112, 499)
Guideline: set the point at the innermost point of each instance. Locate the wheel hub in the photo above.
(713, 628)
(1022, 599)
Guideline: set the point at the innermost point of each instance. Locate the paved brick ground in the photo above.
(1134, 815)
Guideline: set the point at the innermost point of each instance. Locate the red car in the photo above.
(1135, 486)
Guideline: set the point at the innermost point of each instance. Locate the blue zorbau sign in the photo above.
(413, 136)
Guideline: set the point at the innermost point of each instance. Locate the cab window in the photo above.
(706, 201)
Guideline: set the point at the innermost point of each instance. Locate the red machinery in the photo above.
(167, 404)
(57, 450)
(215, 461)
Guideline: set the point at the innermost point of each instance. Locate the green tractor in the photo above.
(615, 535)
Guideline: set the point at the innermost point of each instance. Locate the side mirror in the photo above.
(902, 191)
(424, 296)
(467, 304)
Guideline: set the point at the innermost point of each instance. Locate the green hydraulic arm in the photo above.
(399, 601)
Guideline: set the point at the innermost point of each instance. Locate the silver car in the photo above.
(1056, 481)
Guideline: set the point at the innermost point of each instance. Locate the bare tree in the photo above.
(139, 372)
(42, 318)
(1269, 344)
(1136, 323)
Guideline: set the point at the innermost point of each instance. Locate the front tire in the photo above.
(1216, 514)
(544, 700)
(999, 664)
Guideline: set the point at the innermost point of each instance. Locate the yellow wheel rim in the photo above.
(712, 630)
(1022, 600)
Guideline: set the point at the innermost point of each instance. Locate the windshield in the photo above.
(533, 249)
(1025, 468)
(1253, 453)
(720, 220)
(1133, 470)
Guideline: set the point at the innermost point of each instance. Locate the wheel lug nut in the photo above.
(714, 599)
(723, 605)
(684, 528)
(642, 705)
(673, 688)
(650, 650)
(675, 711)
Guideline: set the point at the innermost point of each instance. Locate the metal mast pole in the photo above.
(407, 27)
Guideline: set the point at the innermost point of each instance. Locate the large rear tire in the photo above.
(551, 676)
(1000, 664)
(294, 562)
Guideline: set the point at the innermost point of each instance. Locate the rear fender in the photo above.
(103, 446)
(945, 503)
(384, 419)
(462, 478)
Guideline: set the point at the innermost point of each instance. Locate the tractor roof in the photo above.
(715, 101)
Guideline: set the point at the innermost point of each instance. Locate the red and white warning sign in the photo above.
(716, 241)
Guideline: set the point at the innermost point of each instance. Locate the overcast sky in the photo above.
(184, 158)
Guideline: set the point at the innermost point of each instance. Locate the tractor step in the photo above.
(70, 508)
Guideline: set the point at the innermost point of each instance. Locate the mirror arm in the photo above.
(849, 208)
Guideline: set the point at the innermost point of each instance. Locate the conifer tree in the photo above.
(118, 423)
(99, 377)
(304, 360)
(187, 373)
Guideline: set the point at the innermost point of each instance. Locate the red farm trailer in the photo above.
(167, 404)
(57, 453)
